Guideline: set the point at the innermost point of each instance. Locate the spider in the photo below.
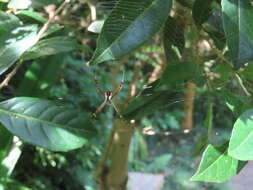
(108, 96)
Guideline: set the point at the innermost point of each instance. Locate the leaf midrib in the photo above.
(39, 120)
(201, 173)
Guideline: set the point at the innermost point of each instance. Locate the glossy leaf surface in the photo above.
(129, 25)
(216, 165)
(15, 39)
(241, 141)
(45, 123)
(237, 19)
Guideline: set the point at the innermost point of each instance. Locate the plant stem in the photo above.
(114, 177)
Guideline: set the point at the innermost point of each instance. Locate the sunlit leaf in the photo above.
(129, 25)
(12, 48)
(241, 141)
(45, 123)
(96, 26)
(237, 19)
(216, 165)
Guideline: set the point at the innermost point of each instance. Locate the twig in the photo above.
(51, 18)
(10, 75)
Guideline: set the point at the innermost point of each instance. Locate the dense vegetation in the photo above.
(92, 90)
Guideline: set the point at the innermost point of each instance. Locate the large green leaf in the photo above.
(216, 165)
(12, 47)
(237, 19)
(241, 141)
(45, 123)
(129, 25)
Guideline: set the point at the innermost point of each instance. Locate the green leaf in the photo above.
(173, 37)
(180, 72)
(8, 22)
(241, 141)
(147, 103)
(96, 26)
(45, 123)
(33, 15)
(50, 46)
(201, 11)
(237, 104)
(12, 49)
(224, 73)
(216, 165)
(248, 71)
(40, 76)
(5, 142)
(129, 25)
(237, 19)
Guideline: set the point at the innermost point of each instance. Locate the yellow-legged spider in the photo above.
(108, 96)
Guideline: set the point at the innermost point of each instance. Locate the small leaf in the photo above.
(237, 19)
(216, 165)
(96, 26)
(50, 46)
(129, 25)
(33, 15)
(241, 141)
(45, 123)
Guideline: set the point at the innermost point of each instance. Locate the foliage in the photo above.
(48, 66)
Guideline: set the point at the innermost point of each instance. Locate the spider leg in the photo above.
(99, 109)
(116, 109)
(116, 92)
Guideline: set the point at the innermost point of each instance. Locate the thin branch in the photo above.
(10, 75)
(51, 18)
